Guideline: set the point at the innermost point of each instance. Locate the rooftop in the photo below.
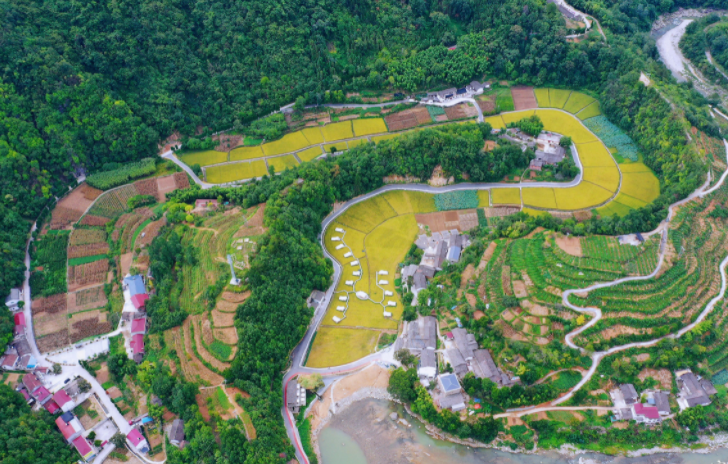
(139, 300)
(135, 284)
(137, 343)
(649, 412)
(135, 437)
(449, 383)
(139, 325)
(61, 397)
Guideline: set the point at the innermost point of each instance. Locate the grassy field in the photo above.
(246, 153)
(516, 116)
(483, 198)
(558, 97)
(542, 97)
(337, 131)
(368, 126)
(577, 101)
(290, 142)
(504, 100)
(236, 171)
(562, 123)
(204, 158)
(607, 177)
(281, 163)
(506, 196)
(589, 111)
(313, 135)
(309, 153)
(337, 346)
(496, 122)
(539, 197)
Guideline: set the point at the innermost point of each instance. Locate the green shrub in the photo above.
(110, 179)
(464, 199)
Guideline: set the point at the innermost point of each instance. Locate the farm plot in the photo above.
(62, 218)
(523, 98)
(281, 163)
(408, 118)
(405, 202)
(509, 118)
(337, 346)
(357, 142)
(612, 136)
(612, 208)
(461, 199)
(86, 237)
(53, 341)
(235, 171)
(226, 335)
(606, 177)
(577, 101)
(309, 154)
(460, 111)
(643, 186)
(562, 123)
(50, 304)
(90, 298)
(594, 154)
(558, 97)
(246, 153)
(88, 324)
(91, 249)
(314, 136)
(337, 131)
(87, 274)
(48, 264)
(365, 216)
(49, 323)
(542, 97)
(583, 196)
(70, 208)
(589, 111)
(506, 196)
(203, 158)
(149, 233)
(539, 197)
(199, 326)
(110, 204)
(181, 180)
(91, 220)
(334, 147)
(289, 143)
(165, 185)
(503, 99)
(192, 369)
(496, 122)
(369, 126)
(147, 187)
(486, 103)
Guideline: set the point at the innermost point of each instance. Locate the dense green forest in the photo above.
(707, 34)
(97, 83)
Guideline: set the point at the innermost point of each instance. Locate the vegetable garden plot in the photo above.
(91, 220)
(62, 218)
(460, 111)
(85, 274)
(88, 324)
(524, 98)
(504, 100)
(80, 251)
(109, 179)
(461, 199)
(86, 236)
(90, 298)
(147, 187)
(53, 341)
(612, 136)
(181, 180)
(51, 304)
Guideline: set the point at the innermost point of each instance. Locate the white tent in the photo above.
(335, 239)
(355, 262)
(340, 246)
(349, 282)
(348, 254)
(388, 293)
(357, 273)
(337, 319)
(339, 229)
(344, 298)
(383, 273)
(391, 303)
(383, 282)
(387, 314)
(341, 308)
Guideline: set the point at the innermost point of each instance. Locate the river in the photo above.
(364, 434)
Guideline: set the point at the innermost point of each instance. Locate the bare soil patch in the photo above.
(91, 220)
(506, 280)
(102, 374)
(471, 299)
(478, 315)
(254, 225)
(220, 319)
(408, 118)
(87, 324)
(570, 245)
(663, 376)
(149, 233)
(523, 98)
(62, 217)
(50, 304)
(87, 274)
(48, 323)
(91, 249)
(619, 329)
(235, 297)
(486, 104)
(53, 341)
(461, 111)
(126, 260)
(89, 298)
(165, 185)
(519, 289)
(227, 142)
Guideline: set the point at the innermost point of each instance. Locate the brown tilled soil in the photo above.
(523, 98)
(487, 104)
(254, 225)
(88, 324)
(126, 260)
(53, 341)
(191, 367)
(62, 217)
(235, 297)
(165, 185)
(91, 249)
(87, 274)
(181, 180)
(461, 111)
(228, 336)
(147, 187)
(90, 298)
(663, 376)
(408, 118)
(72, 206)
(47, 323)
(221, 319)
(102, 375)
(519, 289)
(150, 232)
(91, 220)
(571, 245)
(227, 142)
(50, 304)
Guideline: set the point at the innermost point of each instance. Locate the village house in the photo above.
(138, 295)
(137, 441)
(19, 331)
(204, 205)
(295, 396)
(315, 299)
(9, 361)
(138, 329)
(418, 335)
(70, 426)
(466, 357)
(694, 390)
(449, 395)
(628, 406)
(13, 300)
(438, 248)
(26, 360)
(64, 402)
(177, 432)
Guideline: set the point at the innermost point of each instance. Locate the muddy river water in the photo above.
(364, 434)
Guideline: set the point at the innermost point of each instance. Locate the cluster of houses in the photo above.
(135, 311)
(438, 248)
(654, 405)
(17, 355)
(442, 96)
(461, 351)
(546, 146)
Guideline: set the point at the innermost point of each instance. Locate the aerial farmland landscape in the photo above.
(364, 232)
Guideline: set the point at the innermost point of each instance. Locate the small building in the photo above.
(19, 319)
(203, 205)
(427, 367)
(418, 335)
(137, 441)
(140, 301)
(70, 426)
(137, 347)
(662, 403)
(84, 449)
(646, 414)
(177, 432)
(139, 326)
(694, 390)
(28, 399)
(629, 393)
(31, 383)
(13, 300)
(42, 395)
(451, 396)
(52, 407)
(315, 299)
(453, 254)
(135, 285)
(465, 342)
(8, 362)
(295, 396)
(64, 401)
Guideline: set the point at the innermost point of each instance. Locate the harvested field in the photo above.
(62, 218)
(125, 262)
(147, 187)
(192, 369)
(89, 298)
(87, 324)
(408, 118)
(91, 220)
(462, 220)
(149, 233)
(519, 289)
(50, 305)
(53, 341)
(91, 249)
(222, 319)
(663, 376)
(181, 180)
(228, 335)
(46, 324)
(165, 185)
(235, 297)
(254, 225)
(86, 274)
(86, 237)
(486, 103)
(227, 142)
(571, 245)
(102, 374)
(226, 306)
(524, 98)
(461, 111)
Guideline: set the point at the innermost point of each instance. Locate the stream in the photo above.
(364, 434)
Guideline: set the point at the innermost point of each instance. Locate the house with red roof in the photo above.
(19, 331)
(51, 406)
(137, 347)
(28, 399)
(31, 382)
(137, 441)
(140, 301)
(9, 361)
(83, 447)
(42, 395)
(646, 414)
(70, 426)
(63, 401)
(139, 326)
